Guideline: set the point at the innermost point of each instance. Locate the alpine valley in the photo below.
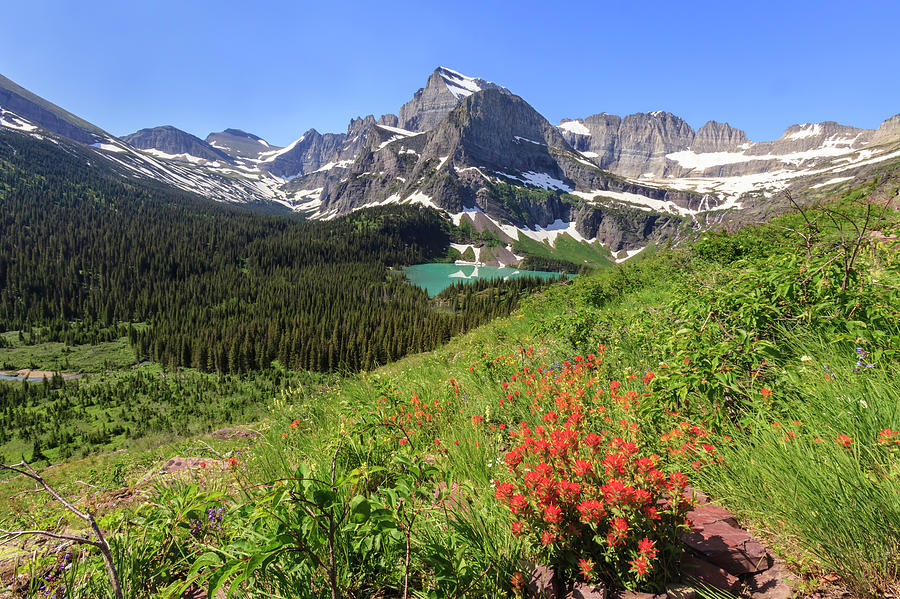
(453, 352)
(482, 155)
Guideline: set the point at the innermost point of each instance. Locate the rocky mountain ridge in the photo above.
(169, 141)
(482, 155)
(240, 144)
(660, 144)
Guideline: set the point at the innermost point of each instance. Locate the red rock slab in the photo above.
(707, 514)
(705, 572)
(583, 590)
(698, 497)
(729, 547)
(543, 583)
(771, 584)
(637, 595)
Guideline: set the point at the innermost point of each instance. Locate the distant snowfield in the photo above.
(109, 147)
(575, 127)
(11, 120)
(731, 188)
(693, 160)
(542, 180)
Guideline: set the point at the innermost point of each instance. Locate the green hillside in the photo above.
(758, 367)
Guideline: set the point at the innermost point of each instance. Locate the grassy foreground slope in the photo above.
(760, 366)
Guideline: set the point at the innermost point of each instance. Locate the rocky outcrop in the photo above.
(889, 131)
(724, 555)
(173, 141)
(391, 120)
(718, 137)
(719, 555)
(621, 228)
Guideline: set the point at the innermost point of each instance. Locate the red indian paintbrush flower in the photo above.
(618, 531)
(591, 511)
(552, 513)
(647, 548)
(586, 567)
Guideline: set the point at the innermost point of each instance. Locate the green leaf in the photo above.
(360, 509)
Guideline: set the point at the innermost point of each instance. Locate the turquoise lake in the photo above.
(434, 278)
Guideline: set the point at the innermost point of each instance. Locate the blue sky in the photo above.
(279, 68)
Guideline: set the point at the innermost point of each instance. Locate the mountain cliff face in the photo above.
(889, 131)
(40, 112)
(630, 146)
(173, 142)
(443, 91)
(718, 137)
(478, 164)
(427, 108)
(659, 145)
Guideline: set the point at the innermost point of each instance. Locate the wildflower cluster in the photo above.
(419, 417)
(862, 360)
(690, 442)
(213, 523)
(890, 439)
(594, 503)
(52, 583)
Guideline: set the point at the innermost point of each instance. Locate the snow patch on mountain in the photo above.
(542, 180)
(109, 147)
(553, 230)
(834, 181)
(692, 160)
(806, 130)
(331, 165)
(531, 141)
(575, 127)
(627, 254)
(398, 134)
(458, 84)
(13, 121)
(272, 155)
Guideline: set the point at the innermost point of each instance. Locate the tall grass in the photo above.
(837, 500)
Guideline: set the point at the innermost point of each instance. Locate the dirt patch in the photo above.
(179, 464)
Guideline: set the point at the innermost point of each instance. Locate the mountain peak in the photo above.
(238, 143)
(444, 90)
(460, 85)
(168, 141)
